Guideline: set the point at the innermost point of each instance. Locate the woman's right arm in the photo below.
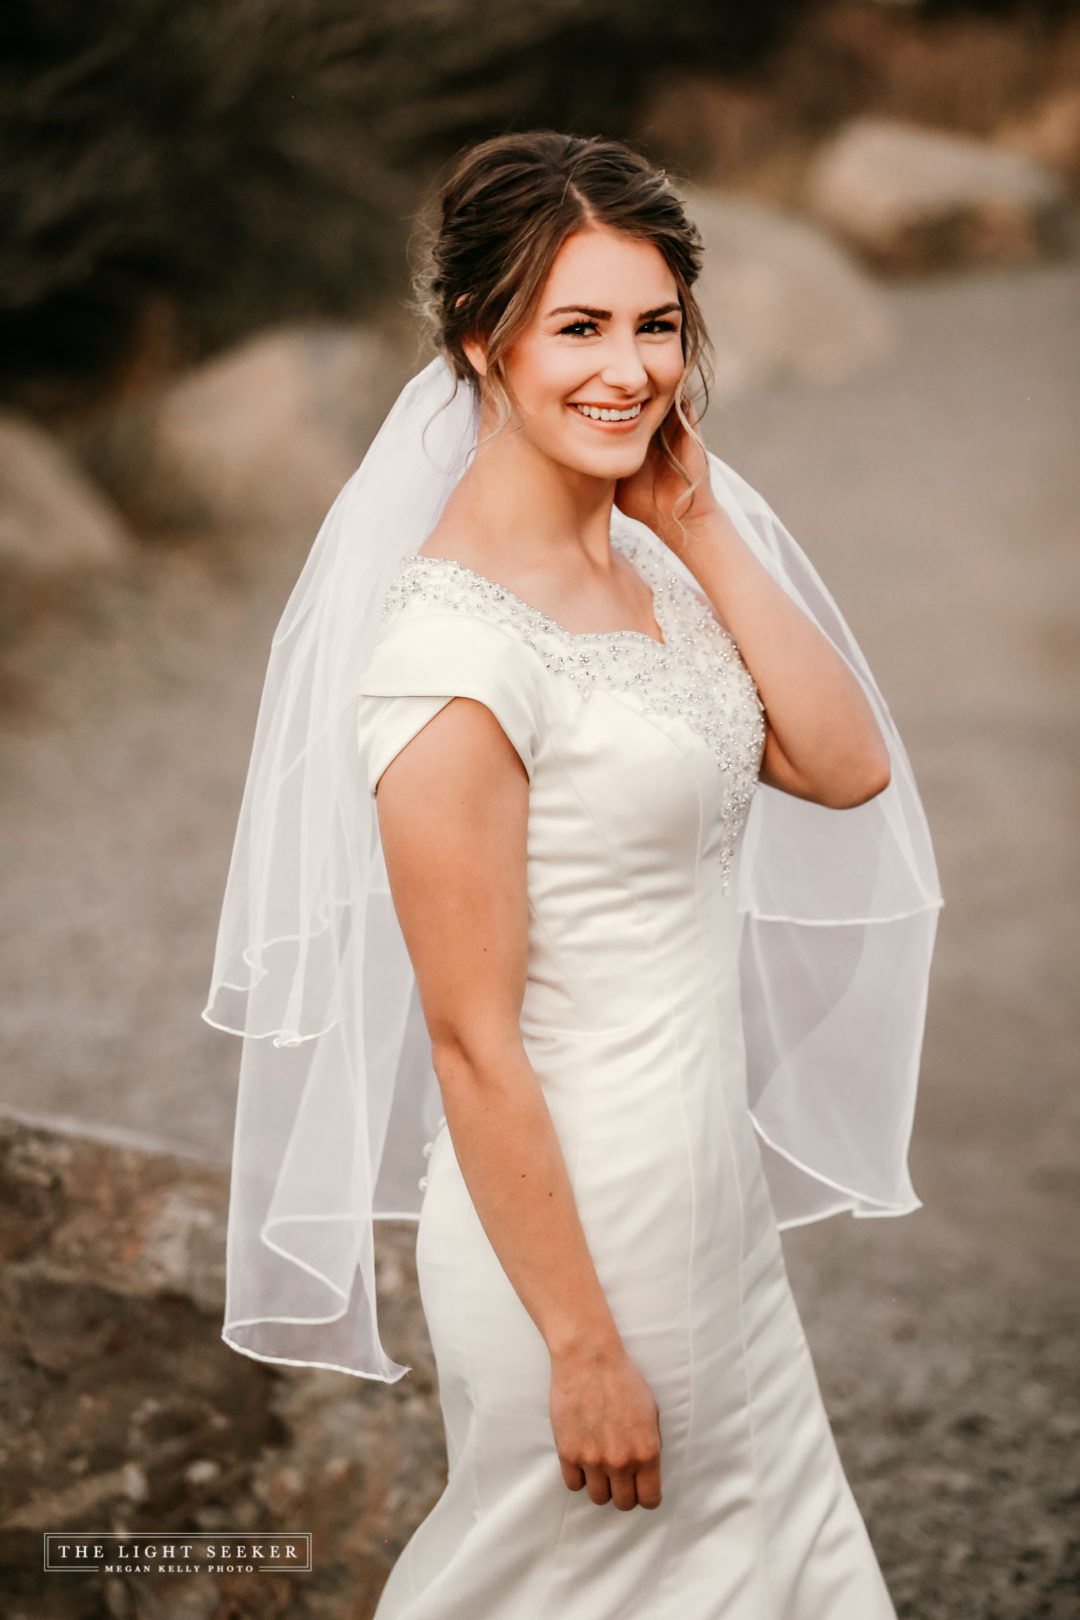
(453, 814)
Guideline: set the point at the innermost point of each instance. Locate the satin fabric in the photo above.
(632, 1022)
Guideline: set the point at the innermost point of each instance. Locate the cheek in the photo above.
(540, 375)
(667, 372)
(564, 375)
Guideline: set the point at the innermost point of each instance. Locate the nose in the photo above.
(622, 367)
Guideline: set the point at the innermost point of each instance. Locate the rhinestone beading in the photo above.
(696, 673)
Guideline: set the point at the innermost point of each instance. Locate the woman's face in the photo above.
(596, 371)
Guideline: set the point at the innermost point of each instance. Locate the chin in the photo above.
(620, 461)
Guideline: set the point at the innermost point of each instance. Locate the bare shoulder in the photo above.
(449, 541)
(464, 536)
(453, 540)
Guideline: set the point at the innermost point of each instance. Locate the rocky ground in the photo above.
(939, 495)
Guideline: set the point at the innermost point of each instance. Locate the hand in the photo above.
(607, 1428)
(658, 495)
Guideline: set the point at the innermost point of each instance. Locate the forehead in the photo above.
(607, 269)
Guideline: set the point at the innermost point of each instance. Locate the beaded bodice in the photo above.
(695, 673)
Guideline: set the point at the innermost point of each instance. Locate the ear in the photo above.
(476, 354)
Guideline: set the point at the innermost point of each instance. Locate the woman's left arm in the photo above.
(822, 741)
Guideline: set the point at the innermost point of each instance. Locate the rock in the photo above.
(780, 298)
(123, 1408)
(257, 440)
(55, 527)
(1049, 133)
(908, 198)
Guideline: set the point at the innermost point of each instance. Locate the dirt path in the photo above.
(940, 500)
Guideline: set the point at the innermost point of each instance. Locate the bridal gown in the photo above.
(643, 759)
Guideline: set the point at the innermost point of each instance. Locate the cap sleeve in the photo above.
(422, 662)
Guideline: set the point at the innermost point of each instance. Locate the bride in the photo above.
(625, 760)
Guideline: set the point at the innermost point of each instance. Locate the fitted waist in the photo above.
(596, 1005)
(599, 953)
(653, 1118)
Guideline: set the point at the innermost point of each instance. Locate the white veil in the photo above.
(337, 1093)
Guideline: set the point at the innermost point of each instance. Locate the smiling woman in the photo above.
(591, 385)
(597, 1254)
(601, 659)
(619, 368)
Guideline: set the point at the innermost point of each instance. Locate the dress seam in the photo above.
(743, 1347)
(571, 1170)
(668, 1564)
(616, 862)
(556, 956)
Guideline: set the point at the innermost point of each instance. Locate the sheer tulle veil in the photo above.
(336, 1090)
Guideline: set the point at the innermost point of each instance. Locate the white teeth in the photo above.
(599, 415)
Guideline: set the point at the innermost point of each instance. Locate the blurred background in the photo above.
(209, 219)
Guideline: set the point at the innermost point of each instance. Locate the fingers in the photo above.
(606, 1426)
(623, 1490)
(626, 1488)
(648, 1485)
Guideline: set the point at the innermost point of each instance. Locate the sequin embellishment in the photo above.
(695, 674)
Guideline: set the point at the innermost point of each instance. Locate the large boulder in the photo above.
(260, 439)
(781, 299)
(1048, 132)
(56, 528)
(124, 1410)
(908, 198)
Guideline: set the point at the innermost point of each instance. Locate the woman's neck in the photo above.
(518, 508)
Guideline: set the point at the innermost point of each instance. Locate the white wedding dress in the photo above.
(643, 758)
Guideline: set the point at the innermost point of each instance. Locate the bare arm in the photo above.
(453, 810)
(822, 741)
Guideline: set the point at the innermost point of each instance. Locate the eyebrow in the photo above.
(605, 314)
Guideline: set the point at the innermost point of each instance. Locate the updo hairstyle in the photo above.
(505, 211)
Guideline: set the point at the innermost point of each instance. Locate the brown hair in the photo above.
(506, 209)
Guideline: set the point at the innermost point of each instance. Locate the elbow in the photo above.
(455, 1054)
(464, 1054)
(860, 785)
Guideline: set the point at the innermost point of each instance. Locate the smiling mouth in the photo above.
(605, 413)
